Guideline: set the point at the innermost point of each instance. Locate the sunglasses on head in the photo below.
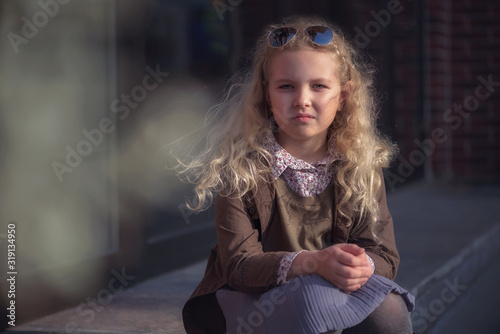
(319, 35)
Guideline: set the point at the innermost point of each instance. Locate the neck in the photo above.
(310, 150)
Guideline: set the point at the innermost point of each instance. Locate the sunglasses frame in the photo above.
(274, 35)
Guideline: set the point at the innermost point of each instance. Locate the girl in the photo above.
(305, 239)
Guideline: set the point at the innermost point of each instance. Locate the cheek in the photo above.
(279, 117)
(332, 116)
(328, 103)
(279, 103)
(328, 109)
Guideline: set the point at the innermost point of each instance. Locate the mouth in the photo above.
(303, 117)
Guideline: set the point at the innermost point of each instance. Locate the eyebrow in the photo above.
(281, 80)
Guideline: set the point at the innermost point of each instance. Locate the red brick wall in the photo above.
(463, 105)
(434, 59)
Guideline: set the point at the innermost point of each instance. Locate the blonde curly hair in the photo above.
(234, 158)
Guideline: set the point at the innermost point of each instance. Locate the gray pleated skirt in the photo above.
(307, 304)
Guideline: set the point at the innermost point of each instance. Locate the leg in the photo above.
(390, 317)
(307, 304)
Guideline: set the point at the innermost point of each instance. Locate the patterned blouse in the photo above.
(306, 179)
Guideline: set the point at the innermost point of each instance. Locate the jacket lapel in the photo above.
(265, 202)
(340, 233)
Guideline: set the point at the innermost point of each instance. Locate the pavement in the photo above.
(477, 309)
(448, 237)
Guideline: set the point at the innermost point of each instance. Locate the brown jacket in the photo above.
(238, 261)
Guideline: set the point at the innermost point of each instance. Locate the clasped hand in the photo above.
(344, 265)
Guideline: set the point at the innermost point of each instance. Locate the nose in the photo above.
(302, 98)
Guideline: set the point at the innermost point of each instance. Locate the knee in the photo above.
(394, 303)
(391, 316)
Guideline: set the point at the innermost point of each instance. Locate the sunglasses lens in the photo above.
(320, 35)
(280, 37)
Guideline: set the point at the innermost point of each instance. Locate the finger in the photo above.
(351, 285)
(345, 284)
(352, 281)
(344, 276)
(350, 288)
(353, 249)
(348, 259)
(343, 281)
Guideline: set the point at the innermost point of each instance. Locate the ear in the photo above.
(346, 90)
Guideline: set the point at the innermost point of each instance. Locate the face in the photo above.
(304, 94)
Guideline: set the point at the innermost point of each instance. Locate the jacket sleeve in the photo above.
(245, 266)
(383, 252)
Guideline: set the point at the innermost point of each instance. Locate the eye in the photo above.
(285, 86)
(318, 86)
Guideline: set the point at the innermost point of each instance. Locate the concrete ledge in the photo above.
(439, 291)
(446, 236)
(153, 306)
